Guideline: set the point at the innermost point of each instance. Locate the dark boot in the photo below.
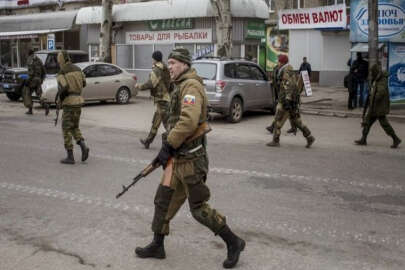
(292, 130)
(234, 244)
(310, 141)
(69, 159)
(396, 142)
(275, 142)
(29, 111)
(46, 107)
(145, 143)
(85, 150)
(362, 141)
(270, 128)
(155, 249)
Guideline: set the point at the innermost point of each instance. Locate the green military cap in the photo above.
(182, 55)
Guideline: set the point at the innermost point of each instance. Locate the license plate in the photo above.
(6, 85)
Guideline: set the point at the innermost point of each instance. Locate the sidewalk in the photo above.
(332, 101)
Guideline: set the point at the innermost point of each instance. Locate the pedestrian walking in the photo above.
(158, 84)
(36, 75)
(359, 70)
(349, 83)
(377, 107)
(277, 75)
(186, 164)
(71, 81)
(288, 105)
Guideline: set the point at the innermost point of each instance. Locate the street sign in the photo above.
(51, 42)
(307, 83)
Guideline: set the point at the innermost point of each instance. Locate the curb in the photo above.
(342, 114)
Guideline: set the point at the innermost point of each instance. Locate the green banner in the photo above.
(277, 43)
(171, 24)
(256, 30)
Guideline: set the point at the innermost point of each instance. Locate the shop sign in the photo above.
(310, 18)
(307, 83)
(396, 80)
(391, 20)
(256, 30)
(27, 3)
(171, 24)
(169, 37)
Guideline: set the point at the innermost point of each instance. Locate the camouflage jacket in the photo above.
(71, 81)
(188, 108)
(158, 83)
(36, 69)
(289, 88)
(379, 99)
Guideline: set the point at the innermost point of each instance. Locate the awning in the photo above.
(363, 47)
(172, 9)
(38, 23)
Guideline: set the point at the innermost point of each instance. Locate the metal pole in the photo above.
(372, 34)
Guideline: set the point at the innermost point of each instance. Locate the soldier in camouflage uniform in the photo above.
(71, 81)
(277, 75)
(158, 83)
(36, 75)
(186, 164)
(378, 106)
(288, 105)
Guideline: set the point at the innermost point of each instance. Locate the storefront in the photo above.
(320, 34)
(391, 35)
(141, 28)
(19, 33)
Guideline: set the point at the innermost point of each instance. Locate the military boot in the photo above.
(396, 142)
(85, 150)
(292, 130)
(310, 141)
(270, 128)
(69, 159)
(234, 245)
(29, 111)
(155, 249)
(274, 143)
(362, 141)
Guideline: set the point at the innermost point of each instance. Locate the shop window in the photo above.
(272, 6)
(5, 53)
(125, 56)
(251, 52)
(334, 2)
(298, 4)
(143, 55)
(236, 51)
(94, 52)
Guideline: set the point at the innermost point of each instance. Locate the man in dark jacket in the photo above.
(377, 107)
(305, 66)
(359, 70)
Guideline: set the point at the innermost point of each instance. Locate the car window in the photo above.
(90, 71)
(230, 70)
(107, 70)
(51, 64)
(243, 72)
(257, 73)
(77, 58)
(206, 70)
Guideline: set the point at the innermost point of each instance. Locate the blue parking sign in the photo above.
(51, 44)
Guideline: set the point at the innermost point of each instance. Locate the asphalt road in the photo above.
(334, 206)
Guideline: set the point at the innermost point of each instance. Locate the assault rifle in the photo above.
(57, 108)
(203, 129)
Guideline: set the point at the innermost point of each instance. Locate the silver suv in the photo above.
(234, 86)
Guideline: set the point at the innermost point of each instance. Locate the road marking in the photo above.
(284, 228)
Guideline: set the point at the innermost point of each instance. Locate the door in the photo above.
(244, 82)
(261, 87)
(110, 80)
(92, 82)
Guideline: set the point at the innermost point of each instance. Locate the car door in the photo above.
(245, 84)
(92, 82)
(110, 80)
(261, 88)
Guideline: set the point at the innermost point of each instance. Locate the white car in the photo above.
(104, 82)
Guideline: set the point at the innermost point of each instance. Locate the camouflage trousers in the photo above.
(291, 122)
(161, 115)
(370, 120)
(281, 116)
(29, 88)
(186, 181)
(70, 125)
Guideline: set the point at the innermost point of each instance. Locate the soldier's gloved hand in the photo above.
(165, 153)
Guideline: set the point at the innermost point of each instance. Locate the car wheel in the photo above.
(123, 95)
(13, 96)
(235, 110)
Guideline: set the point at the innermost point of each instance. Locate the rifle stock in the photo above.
(202, 129)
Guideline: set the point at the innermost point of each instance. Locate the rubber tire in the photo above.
(235, 110)
(13, 96)
(123, 91)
